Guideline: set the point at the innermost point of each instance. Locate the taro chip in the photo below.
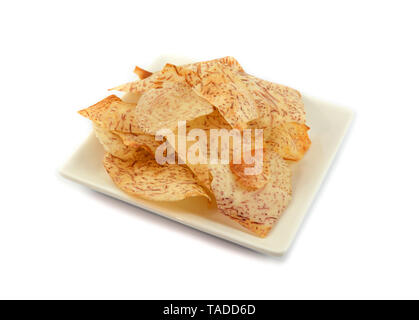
(96, 111)
(205, 65)
(146, 179)
(117, 129)
(141, 73)
(136, 141)
(251, 182)
(155, 80)
(275, 103)
(120, 116)
(113, 144)
(113, 114)
(147, 82)
(164, 105)
(256, 210)
(220, 85)
(290, 140)
(207, 122)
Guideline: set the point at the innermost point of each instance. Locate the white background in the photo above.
(360, 238)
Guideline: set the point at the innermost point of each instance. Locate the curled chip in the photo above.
(141, 73)
(155, 80)
(117, 128)
(96, 111)
(120, 116)
(256, 210)
(144, 178)
(166, 104)
(113, 114)
(221, 86)
(136, 141)
(255, 181)
(206, 123)
(275, 103)
(203, 66)
(113, 144)
(290, 140)
(144, 84)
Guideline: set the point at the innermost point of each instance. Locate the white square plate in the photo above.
(328, 126)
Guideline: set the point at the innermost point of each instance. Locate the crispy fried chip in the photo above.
(281, 115)
(251, 182)
(203, 66)
(257, 210)
(136, 141)
(257, 100)
(144, 178)
(290, 140)
(275, 103)
(120, 116)
(215, 121)
(119, 131)
(96, 111)
(207, 122)
(164, 105)
(221, 86)
(113, 114)
(113, 144)
(141, 73)
(142, 85)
